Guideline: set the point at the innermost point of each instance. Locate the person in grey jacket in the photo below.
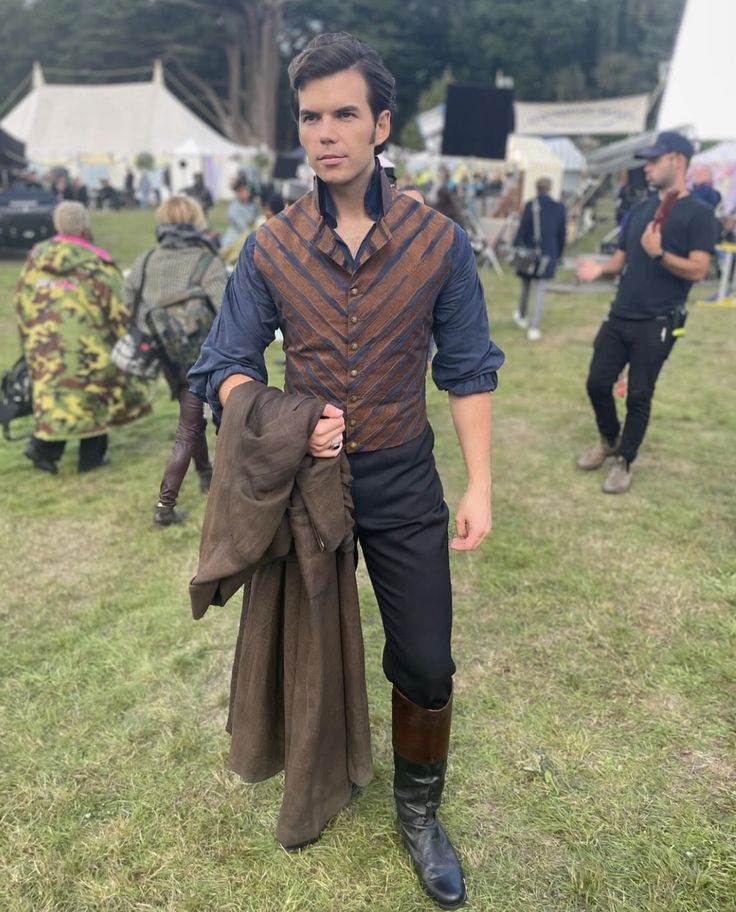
(159, 273)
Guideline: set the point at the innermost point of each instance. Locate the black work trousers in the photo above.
(644, 345)
(190, 444)
(401, 524)
(92, 451)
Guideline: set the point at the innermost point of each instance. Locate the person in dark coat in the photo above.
(551, 243)
(200, 193)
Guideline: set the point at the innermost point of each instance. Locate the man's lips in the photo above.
(331, 157)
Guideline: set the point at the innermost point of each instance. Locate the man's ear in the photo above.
(383, 127)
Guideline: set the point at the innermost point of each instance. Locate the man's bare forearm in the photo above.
(685, 267)
(471, 416)
(614, 264)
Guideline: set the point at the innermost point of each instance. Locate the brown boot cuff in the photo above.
(420, 735)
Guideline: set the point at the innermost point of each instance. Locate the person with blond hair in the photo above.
(183, 251)
(70, 315)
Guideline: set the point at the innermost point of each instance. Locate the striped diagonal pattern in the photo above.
(358, 335)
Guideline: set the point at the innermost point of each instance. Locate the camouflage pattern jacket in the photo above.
(70, 314)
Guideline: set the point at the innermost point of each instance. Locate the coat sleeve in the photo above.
(525, 234)
(561, 230)
(109, 288)
(215, 280)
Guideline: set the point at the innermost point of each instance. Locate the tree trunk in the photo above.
(262, 26)
(253, 27)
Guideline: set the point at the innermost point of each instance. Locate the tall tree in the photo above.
(232, 54)
(250, 31)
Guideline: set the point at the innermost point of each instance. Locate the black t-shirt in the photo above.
(647, 288)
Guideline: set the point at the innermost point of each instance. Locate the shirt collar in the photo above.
(375, 198)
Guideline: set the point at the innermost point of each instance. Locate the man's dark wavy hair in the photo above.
(333, 52)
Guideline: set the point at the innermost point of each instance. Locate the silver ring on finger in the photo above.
(334, 444)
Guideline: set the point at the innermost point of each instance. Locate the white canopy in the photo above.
(699, 83)
(573, 161)
(722, 153)
(61, 123)
(535, 159)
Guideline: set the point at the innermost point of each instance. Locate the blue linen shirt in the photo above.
(466, 361)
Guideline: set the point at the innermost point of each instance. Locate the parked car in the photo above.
(25, 218)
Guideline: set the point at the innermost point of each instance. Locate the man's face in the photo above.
(661, 173)
(337, 129)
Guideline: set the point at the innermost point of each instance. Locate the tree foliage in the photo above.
(232, 54)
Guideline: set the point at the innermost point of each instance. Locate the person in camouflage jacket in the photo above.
(70, 314)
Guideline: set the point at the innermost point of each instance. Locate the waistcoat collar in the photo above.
(378, 201)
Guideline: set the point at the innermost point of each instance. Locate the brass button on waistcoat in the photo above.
(352, 422)
(354, 290)
(353, 319)
(352, 445)
(353, 346)
(353, 373)
(353, 398)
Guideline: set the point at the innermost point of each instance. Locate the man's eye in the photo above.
(308, 118)
(346, 114)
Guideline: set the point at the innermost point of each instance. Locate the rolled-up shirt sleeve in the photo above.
(242, 331)
(467, 358)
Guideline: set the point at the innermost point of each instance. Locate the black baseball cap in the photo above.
(669, 141)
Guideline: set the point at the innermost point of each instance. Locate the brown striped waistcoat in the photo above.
(359, 337)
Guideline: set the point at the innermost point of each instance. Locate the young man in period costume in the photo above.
(359, 278)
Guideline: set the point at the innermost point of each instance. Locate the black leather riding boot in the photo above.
(421, 738)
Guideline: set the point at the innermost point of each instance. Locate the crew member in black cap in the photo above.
(664, 247)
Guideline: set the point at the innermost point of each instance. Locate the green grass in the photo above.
(593, 761)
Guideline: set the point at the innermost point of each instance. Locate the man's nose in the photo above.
(327, 130)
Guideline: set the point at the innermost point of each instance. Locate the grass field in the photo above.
(593, 762)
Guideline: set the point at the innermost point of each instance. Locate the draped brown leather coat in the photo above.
(280, 522)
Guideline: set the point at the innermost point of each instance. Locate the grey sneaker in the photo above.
(595, 456)
(618, 480)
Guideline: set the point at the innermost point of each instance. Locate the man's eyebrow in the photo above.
(345, 109)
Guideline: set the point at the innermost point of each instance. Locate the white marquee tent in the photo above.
(573, 161)
(699, 83)
(113, 123)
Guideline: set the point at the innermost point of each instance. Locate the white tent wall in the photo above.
(112, 124)
(573, 161)
(721, 162)
(702, 71)
(534, 159)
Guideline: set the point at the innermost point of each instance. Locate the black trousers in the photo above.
(91, 450)
(401, 523)
(644, 345)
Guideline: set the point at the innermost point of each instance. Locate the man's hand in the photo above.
(473, 521)
(651, 240)
(329, 430)
(588, 270)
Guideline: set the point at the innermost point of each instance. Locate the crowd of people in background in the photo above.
(73, 308)
(183, 237)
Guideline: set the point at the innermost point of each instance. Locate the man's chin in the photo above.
(333, 178)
